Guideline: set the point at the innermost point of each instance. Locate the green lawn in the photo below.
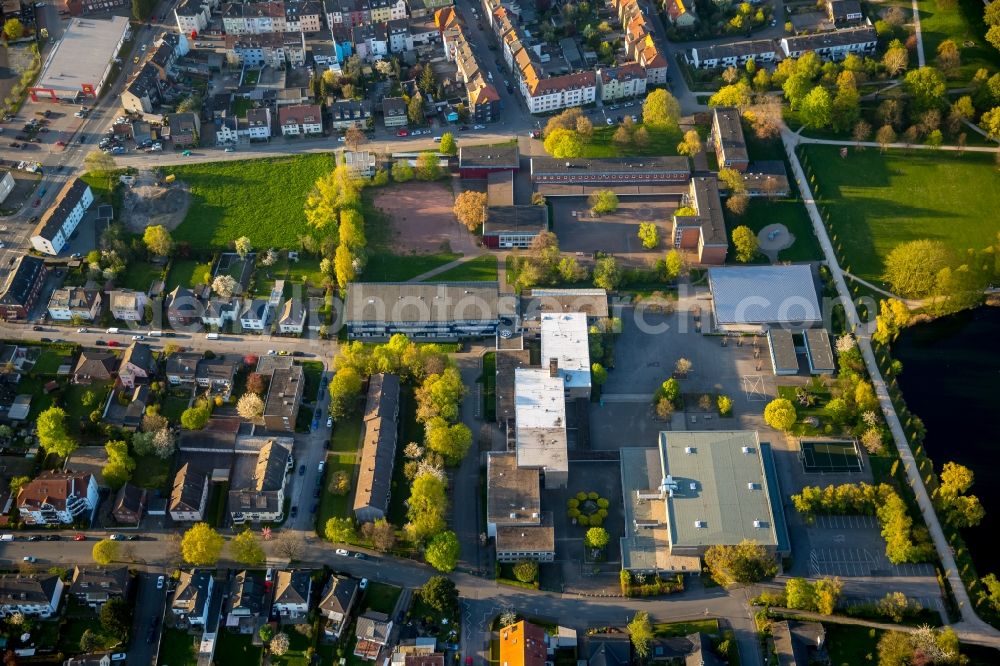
(240, 106)
(188, 273)
(215, 512)
(384, 267)
(789, 212)
(674, 629)
(152, 472)
(260, 199)
(409, 431)
(297, 646)
(380, 597)
(49, 361)
(344, 452)
(313, 373)
(661, 142)
(72, 399)
(876, 201)
(177, 648)
(961, 23)
(173, 407)
(480, 269)
(139, 275)
(849, 645)
(235, 649)
(305, 269)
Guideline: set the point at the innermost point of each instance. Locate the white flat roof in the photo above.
(83, 54)
(762, 295)
(564, 337)
(540, 412)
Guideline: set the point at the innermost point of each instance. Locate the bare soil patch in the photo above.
(151, 201)
(420, 218)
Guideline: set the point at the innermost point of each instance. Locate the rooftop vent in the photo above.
(746, 449)
(689, 449)
(753, 486)
(758, 523)
(700, 524)
(693, 486)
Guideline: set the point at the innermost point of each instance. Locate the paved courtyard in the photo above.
(614, 233)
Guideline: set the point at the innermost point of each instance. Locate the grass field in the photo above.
(173, 407)
(260, 199)
(480, 269)
(962, 23)
(188, 273)
(661, 142)
(789, 212)
(384, 267)
(876, 201)
(674, 629)
(849, 645)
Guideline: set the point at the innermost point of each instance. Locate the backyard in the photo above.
(260, 199)
(380, 597)
(139, 275)
(188, 273)
(177, 648)
(849, 645)
(876, 201)
(236, 649)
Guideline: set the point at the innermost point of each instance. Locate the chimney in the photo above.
(553, 367)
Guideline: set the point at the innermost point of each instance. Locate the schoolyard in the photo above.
(877, 201)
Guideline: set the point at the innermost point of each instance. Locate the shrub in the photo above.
(340, 483)
(572, 503)
(526, 572)
(603, 503)
(581, 496)
(592, 495)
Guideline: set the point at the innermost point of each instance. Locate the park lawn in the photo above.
(188, 273)
(152, 472)
(177, 648)
(380, 597)
(850, 644)
(385, 267)
(480, 269)
(661, 142)
(962, 23)
(675, 629)
(236, 649)
(876, 201)
(139, 275)
(260, 199)
(789, 212)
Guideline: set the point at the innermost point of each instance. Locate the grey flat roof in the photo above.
(83, 54)
(591, 302)
(819, 350)
(508, 360)
(488, 157)
(421, 302)
(722, 507)
(500, 188)
(782, 349)
(527, 538)
(516, 219)
(727, 121)
(764, 294)
(598, 166)
(513, 495)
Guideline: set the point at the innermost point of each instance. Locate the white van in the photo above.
(212, 336)
(112, 331)
(155, 334)
(6, 537)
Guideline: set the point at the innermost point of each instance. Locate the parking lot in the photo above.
(616, 233)
(852, 546)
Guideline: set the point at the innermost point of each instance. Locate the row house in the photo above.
(22, 287)
(735, 54)
(221, 311)
(371, 42)
(623, 81)
(35, 595)
(557, 92)
(294, 44)
(227, 130)
(259, 124)
(351, 13)
(300, 120)
(680, 12)
(144, 92)
(398, 32)
(164, 56)
(834, 45)
(191, 599)
(192, 16)
(183, 129)
(640, 46)
(347, 113)
(67, 303)
(217, 375)
(261, 496)
(96, 585)
(189, 495)
(303, 16)
(137, 365)
(59, 222)
(253, 18)
(482, 98)
(267, 49)
(128, 305)
(57, 498)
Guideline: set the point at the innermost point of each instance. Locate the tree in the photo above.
(343, 262)
(105, 551)
(669, 390)
(896, 60)
(780, 414)
(120, 465)
(427, 507)
(88, 641)
(157, 240)
(401, 171)
(13, 29)
(428, 83)
(948, 58)
(116, 617)
(340, 530)
(661, 110)
(448, 145)
(927, 86)
(738, 94)
(673, 265)
(278, 644)
(355, 137)
(885, 135)
(439, 593)
(381, 533)
(990, 122)
(641, 632)
(245, 549)
(242, 246)
(862, 131)
(345, 387)
(598, 375)
(52, 434)
(892, 318)
(691, 144)
(16, 483)
(817, 108)
(596, 537)
(800, 594)
(443, 551)
(846, 108)
(603, 201)
(266, 632)
(607, 273)
(201, 545)
(415, 109)
(563, 143)
(724, 404)
(195, 418)
(745, 243)
(526, 571)
(584, 127)
(622, 136)
(451, 441)
(895, 649)
(911, 268)
(649, 234)
(224, 285)
(250, 406)
(828, 591)
(470, 209)
(745, 563)
(428, 167)
(289, 545)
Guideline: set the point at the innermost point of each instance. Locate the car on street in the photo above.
(609, 121)
(479, 127)
(342, 552)
(29, 559)
(403, 132)
(83, 330)
(186, 153)
(143, 48)
(119, 656)
(159, 582)
(53, 537)
(114, 343)
(229, 150)
(83, 139)
(317, 493)
(138, 338)
(360, 556)
(35, 537)
(329, 422)
(302, 470)
(271, 352)
(341, 139)
(117, 537)
(61, 143)
(37, 328)
(363, 584)
(283, 352)
(79, 536)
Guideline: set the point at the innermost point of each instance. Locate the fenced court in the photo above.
(830, 457)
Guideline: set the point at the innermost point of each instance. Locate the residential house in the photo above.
(183, 308)
(727, 138)
(382, 309)
(292, 591)
(22, 287)
(360, 163)
(556, 92)
(217, 375)
(35, 595)
(260, 496)
(182, 368)
(378, 452)
(303, 16)
(294, 45)
(301, 119)
(190, 603)
(183, 129)
(623, 81)
(284, 394)
(371, 41)
(255, 314)
(59, 222)
(227, 130)
(259, 124)
(523, 644)
(221, 310)
(189, 495)
(130, 502)
(144, 91)
(336, 603)
(68, 303)
(192, 16)
(248, 601)
(394, 112)
(128, 305)
(844, 13)
(137, 366)
(831, 45)
(799, 643)
(483, 100)
(164, 56)
(258, 50)
(253, 18)
(680, 12)
(347, 113)
(372, 632)
(293, 317)
(734, 54)
(136, 409)
(56, 497)
(95, 585)
(95, 366)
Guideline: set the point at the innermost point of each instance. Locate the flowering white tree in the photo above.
(243, 247)
(250, 406)
(270, 257)
(163, 443)
(224, 285)
(845, 343)
(279, 644)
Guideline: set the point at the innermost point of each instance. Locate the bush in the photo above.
(581, 496)
(592, 495)
(602, 503)
(572, 503)
(340, 483)
(526, 572)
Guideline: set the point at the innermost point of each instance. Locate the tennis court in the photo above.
(830, 457)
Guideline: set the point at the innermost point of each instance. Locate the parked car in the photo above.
(329, 422)
(342, 552)
(117, 537)
(403, 132)
(29, 559)
(79, 536)
(302, 470)
(37, 328)
(159, 582)
(363, 584)
(53, 537)
(294, 511)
